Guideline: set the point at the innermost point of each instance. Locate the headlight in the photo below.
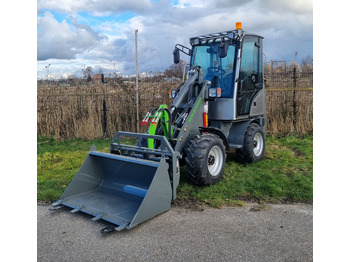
(212, 92)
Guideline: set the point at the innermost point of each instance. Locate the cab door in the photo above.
(250, 80)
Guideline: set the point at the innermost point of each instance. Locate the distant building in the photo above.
(98, 78)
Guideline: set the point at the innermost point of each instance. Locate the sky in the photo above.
(72, 35)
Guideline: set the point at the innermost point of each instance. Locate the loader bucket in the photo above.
(123, 190)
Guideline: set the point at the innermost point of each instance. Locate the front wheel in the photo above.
(254, 144)
(205, 159)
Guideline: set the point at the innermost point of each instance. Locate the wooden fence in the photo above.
(289, 103)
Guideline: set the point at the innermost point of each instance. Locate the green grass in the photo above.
(284, 174)
(58, 162)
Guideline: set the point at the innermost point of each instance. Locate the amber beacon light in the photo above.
(239, 25)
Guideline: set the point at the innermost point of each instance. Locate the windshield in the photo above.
(215, 69)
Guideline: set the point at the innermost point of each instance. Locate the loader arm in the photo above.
(194, 120)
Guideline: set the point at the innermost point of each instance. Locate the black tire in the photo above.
(205, 159)
(254, 144)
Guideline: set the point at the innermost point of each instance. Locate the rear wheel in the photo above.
(254, 144)
(205, 159)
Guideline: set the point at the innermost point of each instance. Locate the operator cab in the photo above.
(218, 70)
(232, 62)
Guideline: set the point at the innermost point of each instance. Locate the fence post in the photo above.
(104, 119)
(137, 86)
(294, 101)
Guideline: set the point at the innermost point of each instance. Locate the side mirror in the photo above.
(223, 50)
(176, 54)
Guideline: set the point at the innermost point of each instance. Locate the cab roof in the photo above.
(226, 36)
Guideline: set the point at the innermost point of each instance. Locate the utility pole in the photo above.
(47, 73)
(137, 86)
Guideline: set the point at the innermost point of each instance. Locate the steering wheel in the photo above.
(218, 70)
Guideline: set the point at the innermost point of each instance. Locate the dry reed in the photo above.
(96, 110)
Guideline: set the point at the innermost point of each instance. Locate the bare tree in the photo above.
(176, 70)
(307, 64)
(87, 73)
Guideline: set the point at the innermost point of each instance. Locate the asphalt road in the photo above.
(280, 233)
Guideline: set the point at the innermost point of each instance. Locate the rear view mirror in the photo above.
(223, 50)
(176, 54)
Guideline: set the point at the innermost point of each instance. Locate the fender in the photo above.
(238, 130)
(233, 133)
(217, 132)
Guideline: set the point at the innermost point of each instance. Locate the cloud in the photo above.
(62, 40)
(230, 4)
(295, 6)
(100, 33)
(96, 7)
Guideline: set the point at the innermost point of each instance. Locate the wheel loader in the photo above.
(220, 107)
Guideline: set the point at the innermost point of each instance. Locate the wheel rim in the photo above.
(258, 144)
(215, 160)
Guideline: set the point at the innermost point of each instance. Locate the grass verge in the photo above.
(284, 174)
